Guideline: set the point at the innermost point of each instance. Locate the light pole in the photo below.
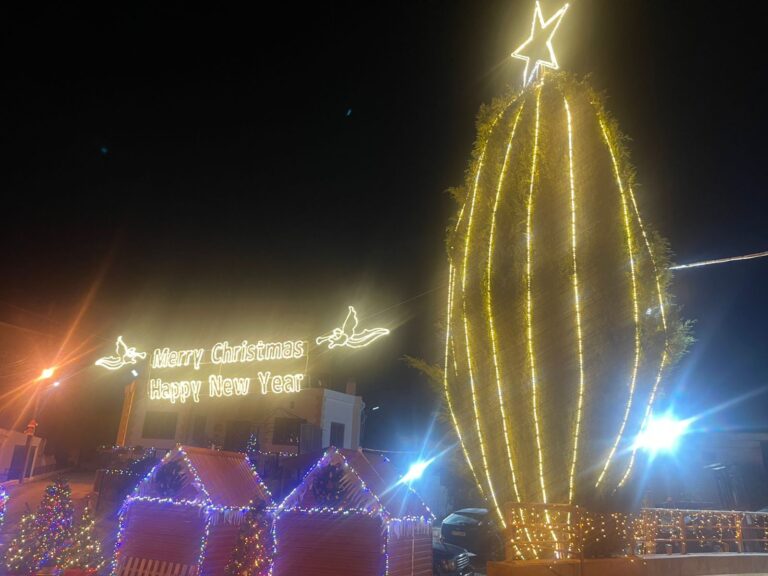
(32, 426)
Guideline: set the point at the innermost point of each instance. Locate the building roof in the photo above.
(228, 477)
(371, 482)
(215, 477)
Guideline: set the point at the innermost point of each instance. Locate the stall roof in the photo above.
(225, 478)
(379, 476)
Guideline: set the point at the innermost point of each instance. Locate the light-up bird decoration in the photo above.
(551, 369)
(125, 355)
(348, 335)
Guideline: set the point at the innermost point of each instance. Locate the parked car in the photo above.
(475, 530)
(450, 560)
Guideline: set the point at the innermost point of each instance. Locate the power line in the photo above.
(720, 261)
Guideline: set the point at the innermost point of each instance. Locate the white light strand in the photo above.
(489, 308)
(465, 318)
(577, 307)
(529, 301)
(664, 355)
(635, 306)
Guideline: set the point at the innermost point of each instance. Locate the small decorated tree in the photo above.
(3, 504)
(85, 549)
(54, 521)
(23, 554)
(252, 553)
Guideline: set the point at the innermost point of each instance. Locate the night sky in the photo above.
(222, 164)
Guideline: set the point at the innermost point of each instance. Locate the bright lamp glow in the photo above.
(47, 373)
(661, 434)
(416, 470)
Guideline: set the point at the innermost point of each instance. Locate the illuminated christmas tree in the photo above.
(3, 504)
(22, 555)
(54, 521)
(252, 554)
(84, 550)
(560, 325)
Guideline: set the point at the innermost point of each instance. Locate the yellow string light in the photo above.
(465, 318)
(489, 308)
(663, 314)
(577, 309)
(449, 341)
(635, 306)
(529, 300)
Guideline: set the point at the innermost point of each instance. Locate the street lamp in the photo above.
(47, 373)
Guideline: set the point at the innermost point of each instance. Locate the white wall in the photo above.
(10, 439)
(345, 409)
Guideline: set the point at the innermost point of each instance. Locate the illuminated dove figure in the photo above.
(125, 355)
(348, 335)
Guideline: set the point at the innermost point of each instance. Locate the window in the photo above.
(161, 425)
(198, 430)
(286, 431)
(337, 434)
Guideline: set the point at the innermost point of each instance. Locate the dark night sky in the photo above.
(208, 158)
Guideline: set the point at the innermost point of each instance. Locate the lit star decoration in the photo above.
(551, 25)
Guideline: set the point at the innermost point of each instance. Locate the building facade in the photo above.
(310, 419)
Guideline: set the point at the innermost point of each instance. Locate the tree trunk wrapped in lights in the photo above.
(560, 328)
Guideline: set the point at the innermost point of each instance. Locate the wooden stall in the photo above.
(188, 512)
(351, 515)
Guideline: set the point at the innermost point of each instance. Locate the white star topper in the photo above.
(551, 24)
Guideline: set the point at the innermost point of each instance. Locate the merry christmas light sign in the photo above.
(241, 356)
(239, 368)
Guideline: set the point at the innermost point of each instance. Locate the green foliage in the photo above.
(169, 479)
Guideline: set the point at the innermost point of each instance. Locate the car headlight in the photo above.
(449, 565)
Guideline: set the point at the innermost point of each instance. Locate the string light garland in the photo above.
(489, 308)
(465, 317)
(577, 307)
(529, 300)
(635, 304)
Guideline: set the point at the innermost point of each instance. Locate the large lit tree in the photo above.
(560, 325)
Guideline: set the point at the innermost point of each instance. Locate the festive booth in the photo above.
(352, 515)
(190, 514)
